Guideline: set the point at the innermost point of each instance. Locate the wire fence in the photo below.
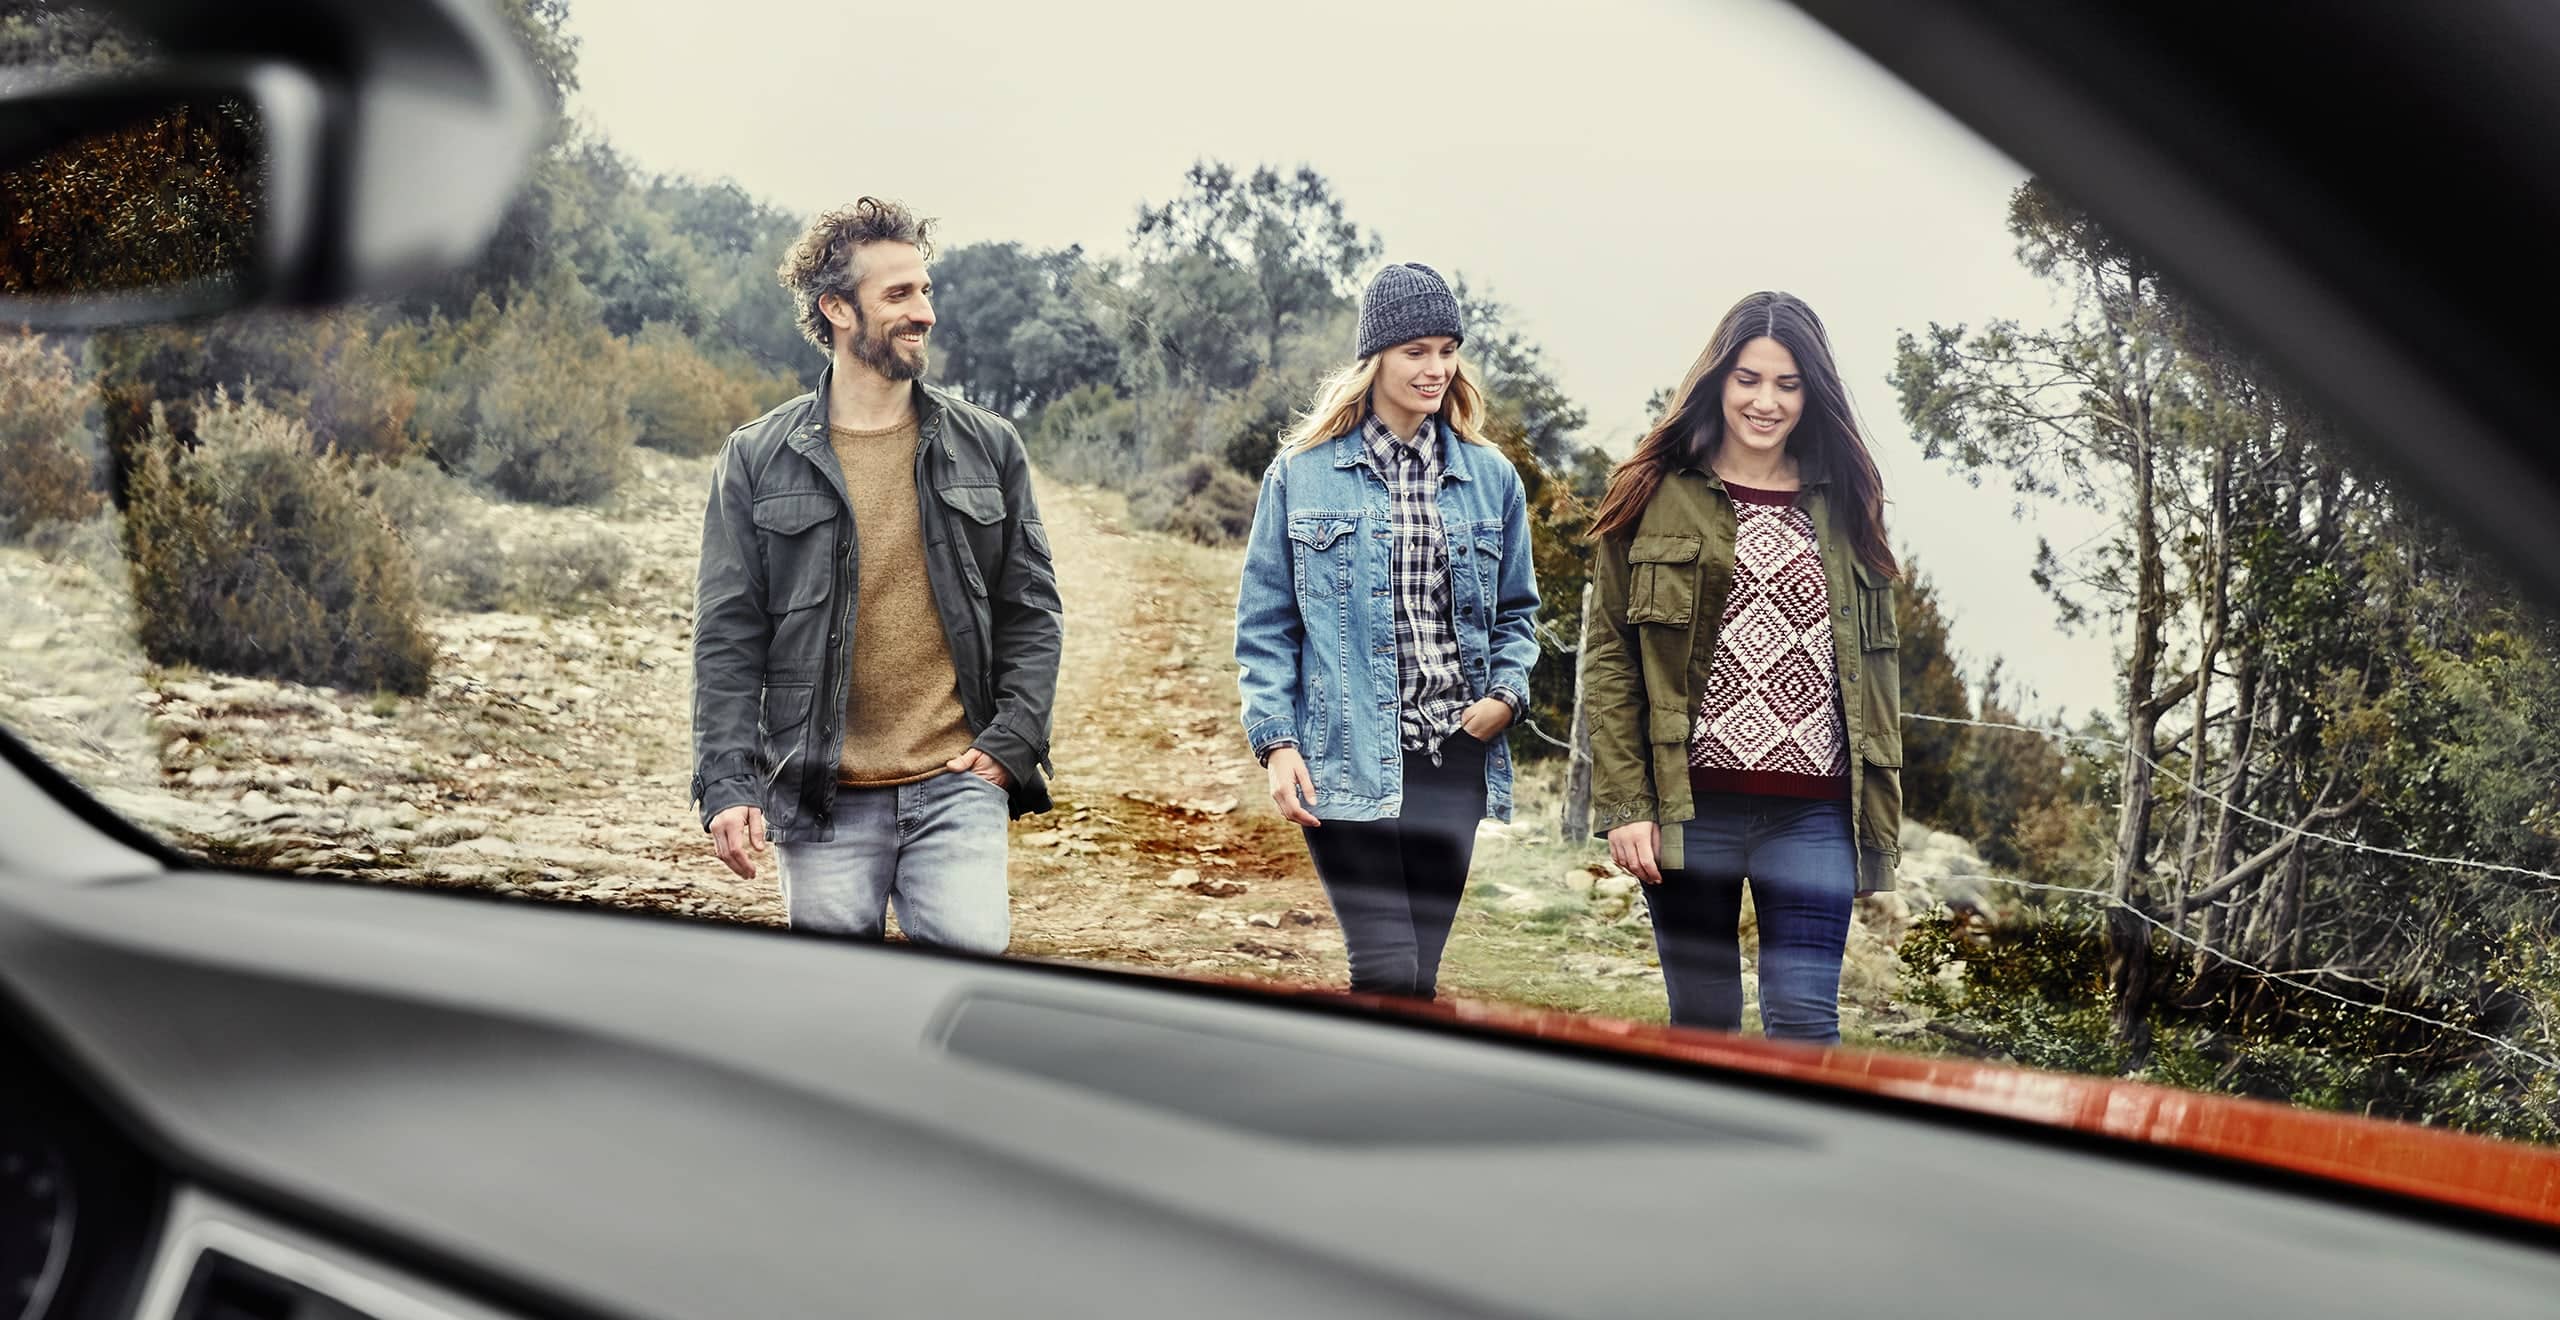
(2208, 795)
(2292, 979)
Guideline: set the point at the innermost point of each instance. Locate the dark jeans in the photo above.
(1395, 883)
(1803, 872)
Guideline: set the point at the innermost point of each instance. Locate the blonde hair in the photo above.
(1342, 401)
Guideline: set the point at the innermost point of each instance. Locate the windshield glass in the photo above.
(1433, 505)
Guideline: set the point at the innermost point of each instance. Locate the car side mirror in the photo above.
(187, 189)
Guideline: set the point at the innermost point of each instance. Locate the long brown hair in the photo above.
(1826, 442)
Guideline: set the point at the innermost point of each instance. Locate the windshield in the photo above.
(1436, 505)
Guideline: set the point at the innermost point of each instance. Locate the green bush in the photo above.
(250, 555)
(471, 560)
(44, 445)
(1202, 500)
(529, 401)
(1255, 417)
(1090, 436)
(362, 395)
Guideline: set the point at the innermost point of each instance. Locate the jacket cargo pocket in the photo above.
(796, 533)
(1880, 793)
(785, 712)
(1877, 628)
(1662, 579)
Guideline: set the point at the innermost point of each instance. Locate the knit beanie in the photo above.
(1407, 300)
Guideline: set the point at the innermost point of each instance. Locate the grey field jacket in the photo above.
(774, 604)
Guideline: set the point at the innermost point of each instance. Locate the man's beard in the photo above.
(880, 352)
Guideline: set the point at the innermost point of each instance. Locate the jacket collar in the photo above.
(1457, 457)
(809, 426)
(1812, 479)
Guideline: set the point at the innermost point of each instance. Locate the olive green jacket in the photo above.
(1658, 598)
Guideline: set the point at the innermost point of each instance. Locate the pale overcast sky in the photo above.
(1617, 171)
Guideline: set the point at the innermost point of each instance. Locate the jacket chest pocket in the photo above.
(796, 533)
(1662, 579)
(1324, 544)
(980, 520)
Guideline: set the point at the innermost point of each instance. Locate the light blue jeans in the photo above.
(936, 847)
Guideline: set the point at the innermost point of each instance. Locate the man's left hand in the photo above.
(1485, 720)
(984, 766)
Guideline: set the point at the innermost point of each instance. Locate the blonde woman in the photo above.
(1384, 630)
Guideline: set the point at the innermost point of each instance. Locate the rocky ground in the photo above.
(550, 760)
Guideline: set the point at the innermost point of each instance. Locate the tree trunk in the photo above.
(2235, 789)
(2217, 605)
(2128, 943)
(1577, 776)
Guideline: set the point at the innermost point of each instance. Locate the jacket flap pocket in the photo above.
(1672, 548)
(1670, 725)
(1878, 628)
(794, 513)
(1315, 531)
(786, 706)
(1883, 748)
(984, 504)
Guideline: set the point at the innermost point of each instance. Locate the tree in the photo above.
(1934, 756)
(1515, 377)
(1011, 330)
(2322, 693)
(1286, 234)
(2082, 412)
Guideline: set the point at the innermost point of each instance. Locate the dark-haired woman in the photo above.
(1741, 673)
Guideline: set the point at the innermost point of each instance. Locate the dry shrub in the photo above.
(1202, 500)
(44, 445)
(473, 556)
(251, 555)
(362, 396)
(683, 401)
(561, 572)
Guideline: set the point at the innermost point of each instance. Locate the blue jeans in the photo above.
(1803, 873)
(936, 847)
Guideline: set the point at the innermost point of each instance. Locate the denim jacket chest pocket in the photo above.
(1323, 547)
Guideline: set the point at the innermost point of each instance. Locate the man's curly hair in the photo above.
(827, 257)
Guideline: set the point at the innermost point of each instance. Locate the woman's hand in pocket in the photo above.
(1637, 846)
(1487, 719)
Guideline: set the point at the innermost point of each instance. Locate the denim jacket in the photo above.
(1315, 616)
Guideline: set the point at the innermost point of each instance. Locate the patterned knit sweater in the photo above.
(1769, 721)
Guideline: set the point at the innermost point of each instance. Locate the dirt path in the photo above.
(551, 756)
(1162, 851)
